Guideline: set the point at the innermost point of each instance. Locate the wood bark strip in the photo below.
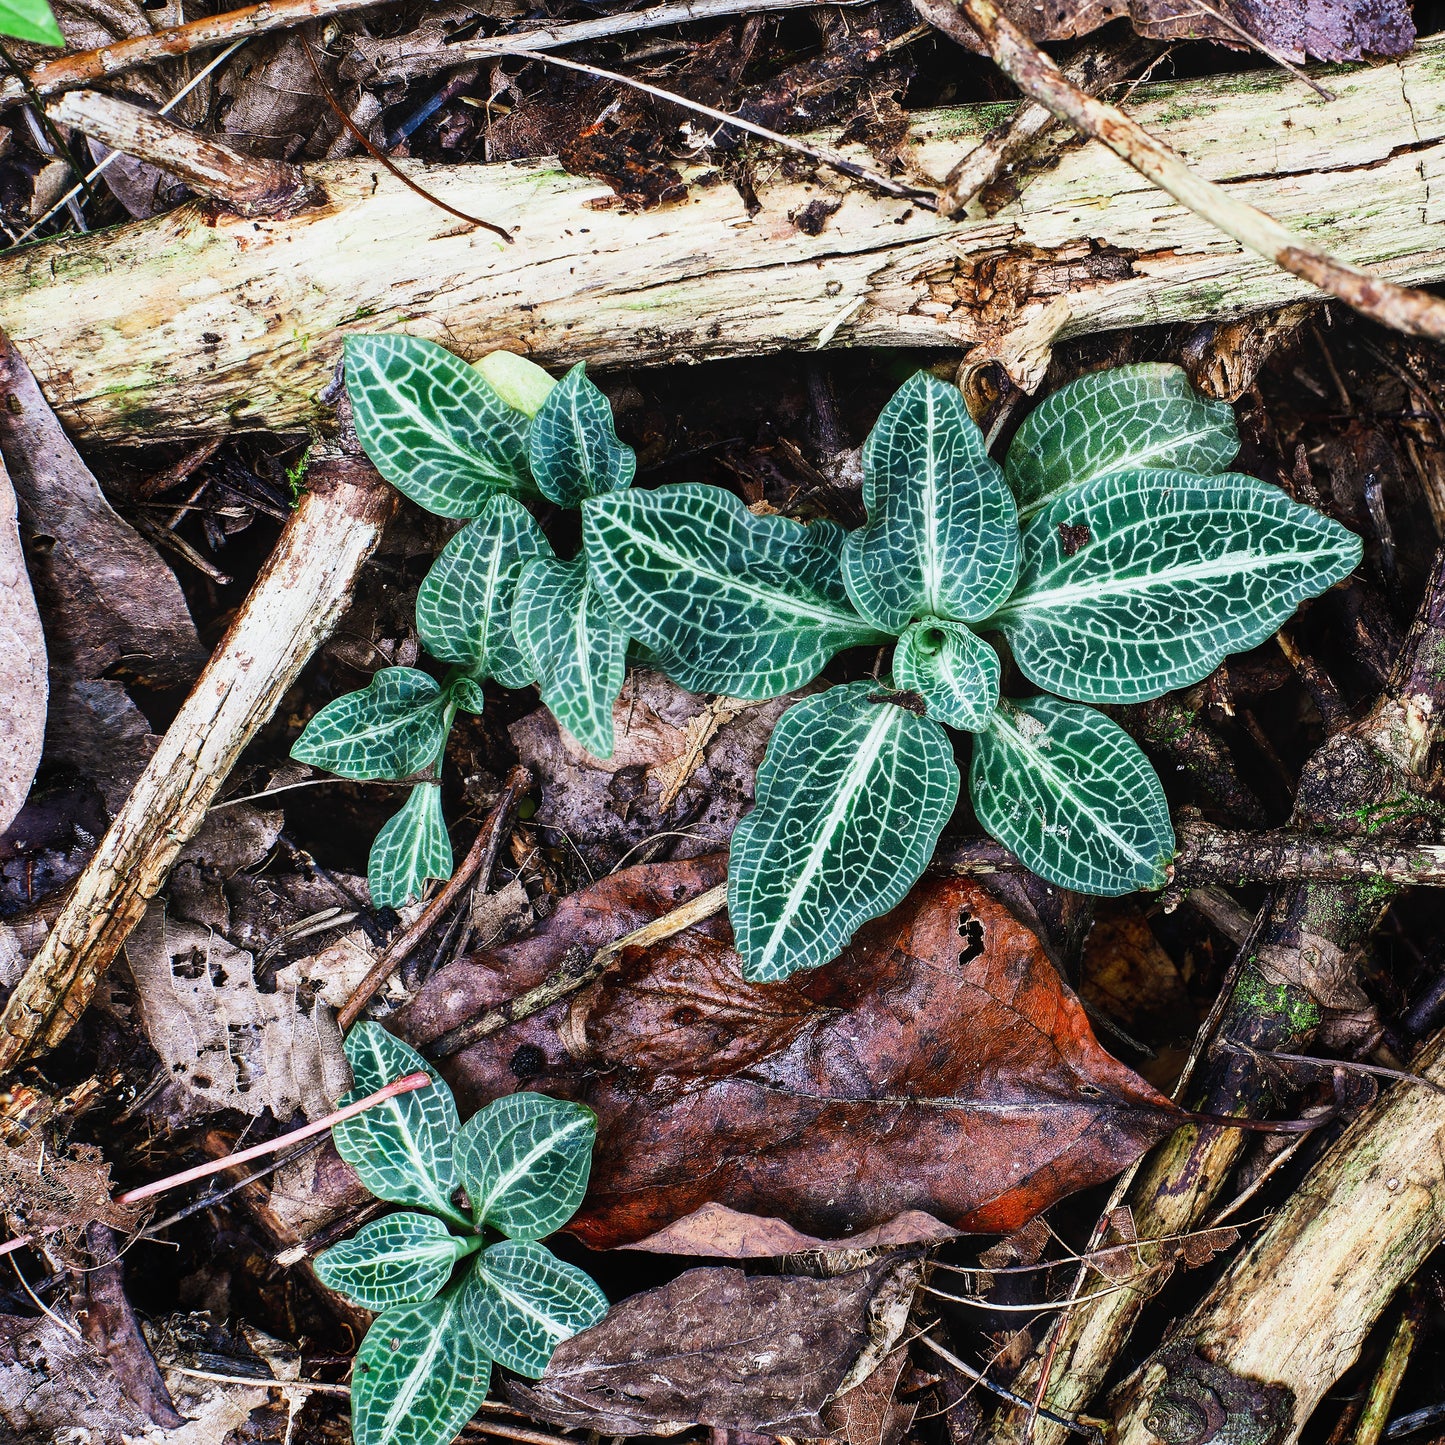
(1296, 1306)
(297, 599)
(188, 324)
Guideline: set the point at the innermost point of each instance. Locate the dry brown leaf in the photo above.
(717, 1347)
(870, 1413)
(22, 646)
(230, 1045)
(57, 1193)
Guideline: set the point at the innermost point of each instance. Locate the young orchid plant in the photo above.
(1113, 554)
(459, 1278)
(473, 442)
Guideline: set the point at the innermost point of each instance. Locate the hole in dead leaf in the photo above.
(528, 1061)
(971, 931)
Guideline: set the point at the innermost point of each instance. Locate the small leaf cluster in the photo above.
(468, 442)
(1112, 557)
(458, 1285)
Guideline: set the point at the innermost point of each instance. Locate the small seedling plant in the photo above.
(475, 442)
(1113, 555)
(459, 1278)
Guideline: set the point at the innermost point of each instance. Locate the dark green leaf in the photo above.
(411, 849)
(392, 728)
(573, 448)
(955, 672)
(399, 1259)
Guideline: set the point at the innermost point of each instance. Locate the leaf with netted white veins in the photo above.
(1147, 415)
(419, 1375)
(1072, 794)
(852, 795)
(464, 607)
(466, 693)
(434, 427)
(403, 1148)
(524, 1160)
(401, 1258)
(573, 648)
(522, 1302)
(394, 727)
(942, 536)
(411, 849)
(1144, 581)
(954, 671)
(573, 448)
(725, 601)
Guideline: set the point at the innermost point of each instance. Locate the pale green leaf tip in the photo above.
(30, 20)
(522, 384)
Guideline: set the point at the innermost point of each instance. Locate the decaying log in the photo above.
(296, 601)
(187, 323)
(1295, 1307)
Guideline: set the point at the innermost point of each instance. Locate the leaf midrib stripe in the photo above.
(841, 807)
(523, 1165)
(413, 1382)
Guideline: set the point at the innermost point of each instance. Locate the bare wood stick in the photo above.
(1414, 312)
(477, 865)
(159, 327)
(90, 65)
(1296, 1306)
(248, 185)
(296, 601)
(1093, 70)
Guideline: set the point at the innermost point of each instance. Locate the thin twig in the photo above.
(1404, 308)
(380, 156)
(1350, 1065)
(478, 865)
(1283, 61)
(577, 973)
(824, 155)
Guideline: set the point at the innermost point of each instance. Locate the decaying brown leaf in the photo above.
(107, 599)
(22, 646)
(56, 1193)
(871, 1412)
(939, 1065)
(717, 1347)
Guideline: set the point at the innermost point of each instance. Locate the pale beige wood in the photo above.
(186, 324)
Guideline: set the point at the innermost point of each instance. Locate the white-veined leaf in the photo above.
(403, 1148)
(466, 693)
(725, 601)
(573, 648)
(419, 1375)
(852, 795)
(942, 537)
(394, 727)
(402, 1258)
(522, 1302)
(1071, 793)
(30, 20)
(1144, 581)
(954, 671)
(464, 607)
(411, 849)
(572, 449)
(1147, 415)
(434, 427)
(524, 1161)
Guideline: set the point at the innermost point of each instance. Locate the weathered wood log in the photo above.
(1296, 1306)
(190, 323)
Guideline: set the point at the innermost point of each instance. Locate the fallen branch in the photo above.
(1414, 312)
(162, 329)
(1295, 1307)
(297, 599)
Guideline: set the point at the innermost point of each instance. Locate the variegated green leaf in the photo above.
(573, 648)
(852, 795)
(419, 1375)
(522, 384)
(399, 1259)
(402, 1149)
(464, 607)
(573, 449)
(1071, 793)
(522, 1302)
(411, 849)
(524, 1161)
(942, 535)
(1143, 581)
(466, 693)
(1147, 415)
(394, 727)
(955, 672)
(433, 426)
(725, 601)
